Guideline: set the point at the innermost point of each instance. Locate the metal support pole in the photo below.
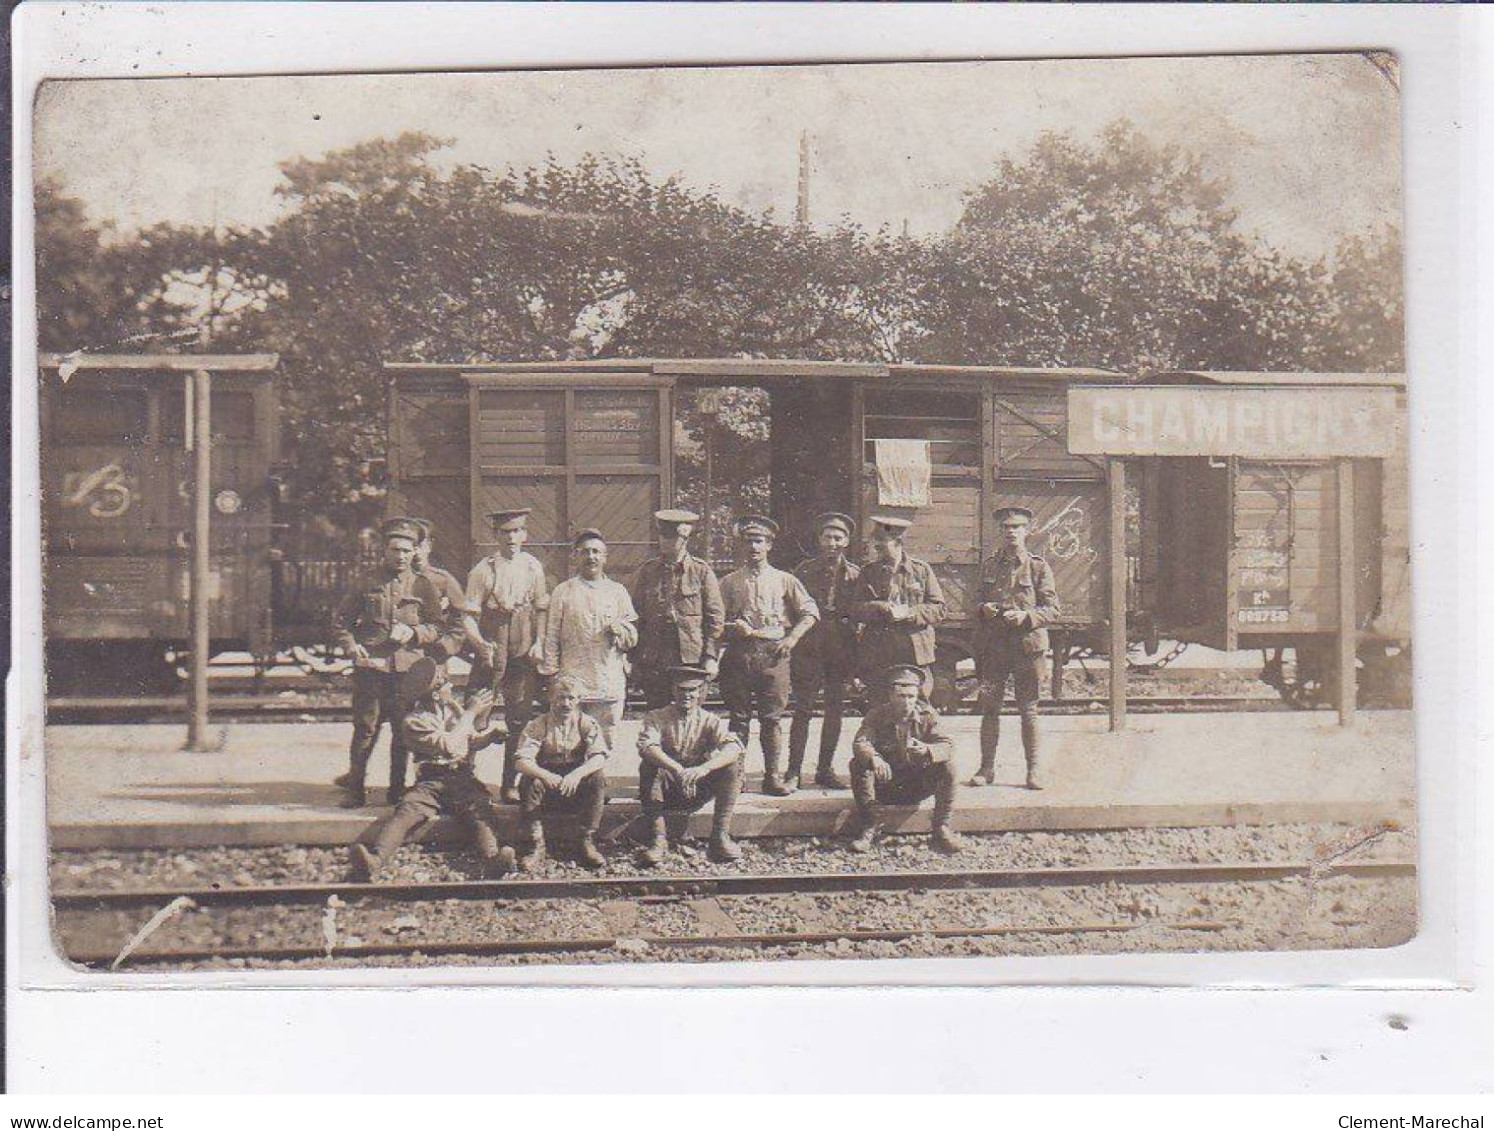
(202, 475)
(1116, 482)
(1348, 624)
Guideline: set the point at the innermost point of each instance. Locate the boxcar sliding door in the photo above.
(593, 450)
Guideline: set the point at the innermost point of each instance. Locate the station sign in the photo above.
(1256, 422)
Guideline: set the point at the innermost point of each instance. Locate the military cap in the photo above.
(426, 527)
(835, 518)
(688, 673)
(401, 528)
(904, 675)
(512, 519)
(419, 679)
(587, 535)
(1013, 516)
(676, 517)
(891, 523)
(755, 524)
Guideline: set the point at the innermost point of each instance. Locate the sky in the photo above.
(1310, 144)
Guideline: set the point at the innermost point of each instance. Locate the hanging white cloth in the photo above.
(905, 472)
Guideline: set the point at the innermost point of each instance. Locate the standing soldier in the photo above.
(768, 611)
(898, 601)
(453, 597)
(688, 756)
(589, 632)
(680, 615)
(444, 737)
(823, 662)
(505, 610)
(384, 623)
(1018, 601)
(901, 756)
(561, 759)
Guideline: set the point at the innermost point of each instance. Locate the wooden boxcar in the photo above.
(592, 444)
(1244, 552)
(116, 512)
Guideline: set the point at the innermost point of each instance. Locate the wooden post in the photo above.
(201, 435)
(1348, 625)
(1116, 481)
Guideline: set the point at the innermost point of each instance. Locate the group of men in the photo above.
(770, 636)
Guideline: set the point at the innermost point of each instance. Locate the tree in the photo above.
(1122, 254)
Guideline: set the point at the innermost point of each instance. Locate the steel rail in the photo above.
(587, 944)
(696, 886)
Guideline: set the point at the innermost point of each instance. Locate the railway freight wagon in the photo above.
(595, 444)
(1245, 552)
(116, 483)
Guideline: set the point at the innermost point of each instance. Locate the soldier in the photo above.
(823, 662)
(898, 601)
(589, 632)
(561, 759)
(506, 608)
(444, 737)
(680, 615)
(1018, 601)
(688, 756)
(768, 611)
(453, 596)
(901, 756)
(384, 623)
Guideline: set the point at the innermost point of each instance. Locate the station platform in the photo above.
(270, 783)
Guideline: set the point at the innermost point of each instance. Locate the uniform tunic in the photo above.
(453, 601)
(1023, 582)
(366, 616)
(884, 641)
(831, 583)
(680, 618)
(885, 733)
(578, 643)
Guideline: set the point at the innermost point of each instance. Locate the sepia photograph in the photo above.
(870, 511)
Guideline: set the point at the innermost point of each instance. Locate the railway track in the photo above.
(698, 893)
(238, 707)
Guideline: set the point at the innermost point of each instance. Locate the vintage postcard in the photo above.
(861, 511)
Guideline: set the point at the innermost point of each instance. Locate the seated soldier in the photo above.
(689, 756)
(900, 756)
(443, 737)
(560, 759)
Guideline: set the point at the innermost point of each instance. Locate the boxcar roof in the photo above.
(175, 362)
(752, 368)
(1237, 377)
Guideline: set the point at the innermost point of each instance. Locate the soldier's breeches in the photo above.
(752, 686)
(1026, 676)
(587, 804)
(375, 702)
(811, 677)
(420, 804)
(661, 792)
(908, 785)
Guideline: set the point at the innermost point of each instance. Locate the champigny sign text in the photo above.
(1258, 422)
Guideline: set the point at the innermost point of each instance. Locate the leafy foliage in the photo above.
(1120, 254)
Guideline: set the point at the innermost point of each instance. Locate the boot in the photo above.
(500, 864)
(866, 838)
(353, 797)
(1030, 751)
(510, 791)
(947, 841)
(795, 770)
(534, 851)
(366, 864)
(825, 776)
(656, 850)
(723, 849)
(771, 735)
(395, 794)
(984, 776)
(990, 735)
(588, 853)
(344, 779)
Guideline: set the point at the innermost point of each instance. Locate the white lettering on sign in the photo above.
(107, 492)
(1259, 422)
